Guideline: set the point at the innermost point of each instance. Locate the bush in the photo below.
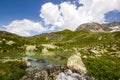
(104, 68)
(12, 70)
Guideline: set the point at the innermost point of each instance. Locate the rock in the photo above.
(61, 76)
(10, 42)
(94, 51)
(30, 50)
(47, 73)
(49, 46)
(100, 38)
(0, 42)
(36, 75)
(69, 75)
(75, 63)
(85, 57)
(44, 50)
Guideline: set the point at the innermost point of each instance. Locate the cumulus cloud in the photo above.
(67, 15)
(50, 14)
(24, 27)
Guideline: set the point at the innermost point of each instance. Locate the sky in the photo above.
(33, 17)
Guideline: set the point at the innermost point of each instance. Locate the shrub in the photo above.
(12, 70)
(104, 68)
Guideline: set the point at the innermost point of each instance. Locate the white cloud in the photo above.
(24, 27)
(67, 15)
(51, 15)
(97, 9)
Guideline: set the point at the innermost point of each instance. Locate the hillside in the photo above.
(100, 50)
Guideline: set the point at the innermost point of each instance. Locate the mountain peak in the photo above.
(92, 27)
(96, 27)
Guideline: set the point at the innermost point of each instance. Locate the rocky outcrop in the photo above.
(92, 27)
(30, 49)
(49, 46)
(75, 63)
(114, 24)
(96, 27)
(53, 36)
(10, 42)
(36, 75)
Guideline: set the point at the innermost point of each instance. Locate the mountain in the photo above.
(5, 33)
(96, 27)
(93, 27)
(97, 44)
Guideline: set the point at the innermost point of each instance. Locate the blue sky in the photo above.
(20, 9)
(53, 15)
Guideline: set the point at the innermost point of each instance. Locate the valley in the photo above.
(99, 53)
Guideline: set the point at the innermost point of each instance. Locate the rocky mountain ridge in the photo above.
(96, 27)
(92, 27)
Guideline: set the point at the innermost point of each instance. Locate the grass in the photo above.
(105, 67)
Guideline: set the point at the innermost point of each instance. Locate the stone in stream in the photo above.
(46, 73)
(69, 75)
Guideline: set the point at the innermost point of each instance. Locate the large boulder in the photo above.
(75, 63)
(30, 50)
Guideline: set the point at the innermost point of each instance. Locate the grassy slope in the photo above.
(99, 67)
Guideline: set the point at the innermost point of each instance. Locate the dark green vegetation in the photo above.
(100, 51)
(104, 68)
(12, 70)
